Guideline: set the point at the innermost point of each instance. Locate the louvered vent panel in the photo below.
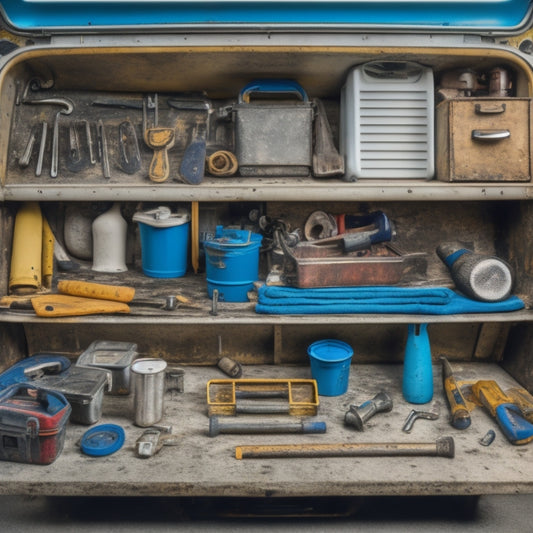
(392, 134)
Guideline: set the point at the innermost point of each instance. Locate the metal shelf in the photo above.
(263, 189)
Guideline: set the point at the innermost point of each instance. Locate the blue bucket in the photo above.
(164, 242)
(232, 263)
(330, 366)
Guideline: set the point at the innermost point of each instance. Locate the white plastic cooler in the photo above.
(387, 121)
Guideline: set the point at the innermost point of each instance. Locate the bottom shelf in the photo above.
(200, 465)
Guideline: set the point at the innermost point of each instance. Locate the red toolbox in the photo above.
(32, 424)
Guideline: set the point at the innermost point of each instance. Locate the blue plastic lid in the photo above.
(101, 440)
(330, 350)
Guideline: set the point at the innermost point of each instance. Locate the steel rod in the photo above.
(219, 425)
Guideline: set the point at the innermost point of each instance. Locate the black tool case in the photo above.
(111, 63)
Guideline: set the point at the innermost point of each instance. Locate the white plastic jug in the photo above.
(109, 241)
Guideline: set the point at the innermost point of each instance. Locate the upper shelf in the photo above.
(267, 189)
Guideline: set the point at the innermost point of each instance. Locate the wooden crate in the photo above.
(464, 148)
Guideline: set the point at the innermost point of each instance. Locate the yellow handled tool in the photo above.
(60, 305)
(160, 140)
(460, 415)
(87, 289)
(508, 415)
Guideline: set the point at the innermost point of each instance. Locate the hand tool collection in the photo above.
(182, 137)
(240, 406)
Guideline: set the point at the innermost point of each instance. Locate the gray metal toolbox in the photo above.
(82, 387)
(115, 357)
(274, 137)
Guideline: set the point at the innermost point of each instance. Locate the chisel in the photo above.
(460, 415)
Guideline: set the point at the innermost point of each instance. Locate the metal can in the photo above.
(148, 383)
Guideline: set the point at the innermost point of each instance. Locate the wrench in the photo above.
(68, 108)
(415, 415)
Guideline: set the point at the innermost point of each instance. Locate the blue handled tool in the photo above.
(380, 230)
(510, 418)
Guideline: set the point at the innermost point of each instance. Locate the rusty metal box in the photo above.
(483, 139)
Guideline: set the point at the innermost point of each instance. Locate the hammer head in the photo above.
(357, 416)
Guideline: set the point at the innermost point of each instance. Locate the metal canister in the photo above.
(148, 381)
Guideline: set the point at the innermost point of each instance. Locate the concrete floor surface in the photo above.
(509, 514)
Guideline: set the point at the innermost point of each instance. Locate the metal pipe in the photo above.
(218, 425)
(256, 408)
(442, 447)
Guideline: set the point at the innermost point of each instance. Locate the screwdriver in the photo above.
(508, 415)
(460, 413)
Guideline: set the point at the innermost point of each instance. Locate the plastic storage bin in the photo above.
(164, 241)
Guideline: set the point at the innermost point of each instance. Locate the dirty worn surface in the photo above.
(206, 466)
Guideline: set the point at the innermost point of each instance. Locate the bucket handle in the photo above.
(238, 244)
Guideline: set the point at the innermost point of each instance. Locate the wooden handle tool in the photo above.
(87, 289)
(61, 305)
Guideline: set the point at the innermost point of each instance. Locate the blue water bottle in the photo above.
(417, 369)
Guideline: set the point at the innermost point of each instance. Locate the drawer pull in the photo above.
(490, 135)
(489, 109)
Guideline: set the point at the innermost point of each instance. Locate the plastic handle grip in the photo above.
(513, 424)
(272, 86)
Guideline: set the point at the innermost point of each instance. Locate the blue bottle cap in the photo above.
(101, 440)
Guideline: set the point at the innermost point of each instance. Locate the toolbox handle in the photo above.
(490, 135)
(272, 86)
(38, 370)
(489, 109)
(51, 401)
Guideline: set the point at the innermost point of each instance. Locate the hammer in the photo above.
(442, 447)
(357, 416)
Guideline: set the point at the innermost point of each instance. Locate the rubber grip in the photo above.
(314, 427)
(513, 424)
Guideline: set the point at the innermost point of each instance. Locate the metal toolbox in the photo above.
(484, 139)
(83, 388)
(115, 357)
(387, 120)
(307, 265)
(274, 137)
(32, 424)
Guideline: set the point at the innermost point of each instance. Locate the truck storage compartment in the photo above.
(108, 94)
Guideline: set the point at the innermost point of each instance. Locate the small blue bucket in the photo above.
(164, 242)
(232, 263)
(330, 366)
